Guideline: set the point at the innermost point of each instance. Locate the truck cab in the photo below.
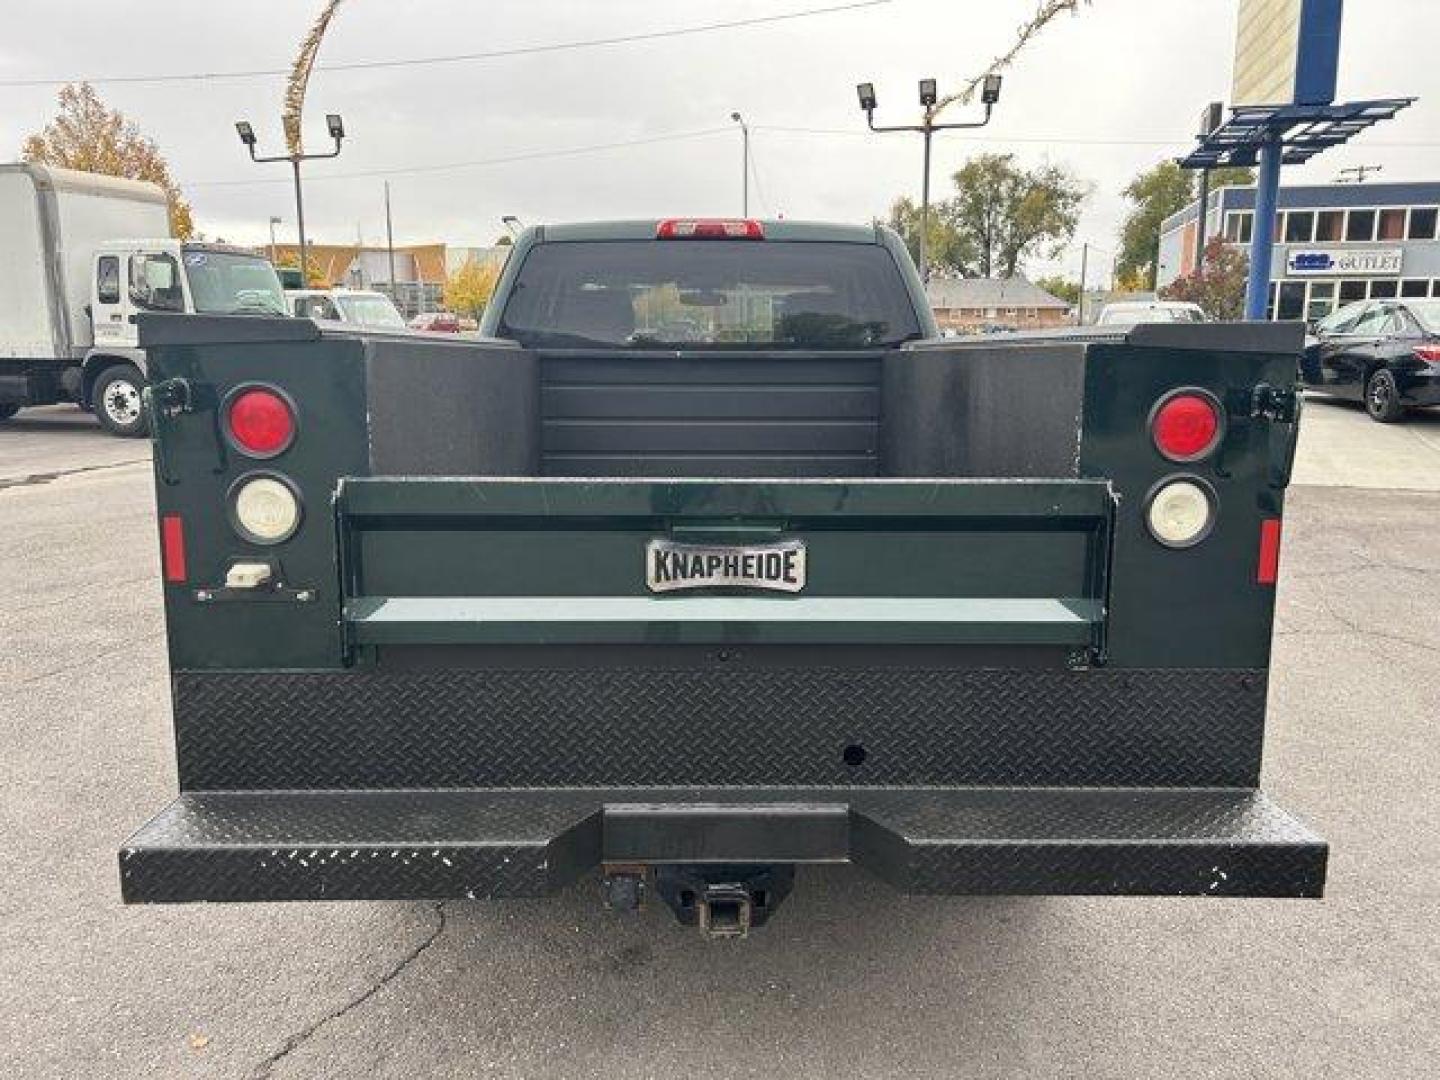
(360, 308)
(133, 276)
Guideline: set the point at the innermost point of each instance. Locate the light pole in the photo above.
(337, 132)
(744, 164)
(273, 222)
(989, 95)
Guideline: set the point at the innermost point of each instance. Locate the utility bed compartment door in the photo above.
(473, 560)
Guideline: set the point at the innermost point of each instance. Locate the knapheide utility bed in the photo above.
(475, 618)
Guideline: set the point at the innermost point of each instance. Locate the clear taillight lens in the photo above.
(1180, 512)
(264, 509)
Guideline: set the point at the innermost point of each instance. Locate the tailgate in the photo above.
(467, 561)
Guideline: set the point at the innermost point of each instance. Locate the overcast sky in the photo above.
(1105, 93)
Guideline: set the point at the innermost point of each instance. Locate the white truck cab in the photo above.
(70, 290)
(131, 276)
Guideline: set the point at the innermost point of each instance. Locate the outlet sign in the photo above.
(1309, 262)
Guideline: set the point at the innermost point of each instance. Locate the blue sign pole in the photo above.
(1262, 232)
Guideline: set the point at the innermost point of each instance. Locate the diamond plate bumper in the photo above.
(218, 846)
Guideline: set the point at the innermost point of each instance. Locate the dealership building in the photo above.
(1334, 243)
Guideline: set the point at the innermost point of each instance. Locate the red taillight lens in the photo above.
(1186, 425)
(1429, 353)
(709, 229)
(260, 422)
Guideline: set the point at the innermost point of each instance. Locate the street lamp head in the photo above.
(336, 126)
(990, 89)
(275, 220)
(245, 131)
(510, 219)
(928, 93)
(736, 117)
(866, 93)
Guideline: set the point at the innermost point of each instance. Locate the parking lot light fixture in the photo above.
(929, 98)
(336, 127)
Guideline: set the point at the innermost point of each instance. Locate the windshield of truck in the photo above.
(371, 311)
(231, 283)
(709, 293)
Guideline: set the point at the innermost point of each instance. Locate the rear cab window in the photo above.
(709, 294)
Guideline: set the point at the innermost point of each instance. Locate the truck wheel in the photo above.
(7, 411)
(117, 400)
(1382, 397)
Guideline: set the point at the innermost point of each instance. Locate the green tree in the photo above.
(1155, 194)
(1060, 287)
(1220, 289)
(948, 253)
(1007, 214)
(1228, 176)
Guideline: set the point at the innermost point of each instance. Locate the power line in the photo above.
(461, 58)
(1058, 139)
(534, 155)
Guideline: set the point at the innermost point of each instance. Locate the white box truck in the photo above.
(72, 280)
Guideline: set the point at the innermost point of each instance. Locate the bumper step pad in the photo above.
(352, 845)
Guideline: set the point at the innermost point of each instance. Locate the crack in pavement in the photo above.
(88, 658)
(36, 479)
(266, 1068)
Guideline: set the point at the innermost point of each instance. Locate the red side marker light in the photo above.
(1267, 567)
(709, 229)
(172, 548)
(260, 422)
(1186, 426)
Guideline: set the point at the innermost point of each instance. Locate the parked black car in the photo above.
(1382, 353)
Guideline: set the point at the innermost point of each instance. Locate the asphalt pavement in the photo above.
(848, 980)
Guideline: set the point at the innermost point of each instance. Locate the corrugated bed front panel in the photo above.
(702, 414)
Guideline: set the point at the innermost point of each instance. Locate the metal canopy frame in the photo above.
(1303, 130)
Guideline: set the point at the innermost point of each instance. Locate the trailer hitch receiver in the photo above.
(723, 900)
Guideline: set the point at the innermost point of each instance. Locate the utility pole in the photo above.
(744, 164)
(1211, 117)
(929, 98)
(336, 128)
(390, 241)
(1084, 266)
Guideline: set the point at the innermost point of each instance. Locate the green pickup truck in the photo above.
(710, 559)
